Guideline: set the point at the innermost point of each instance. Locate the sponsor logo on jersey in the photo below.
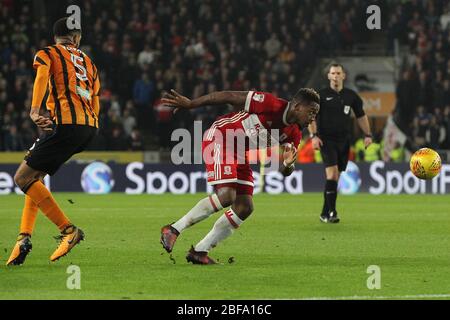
(83, 92)
(227, 170)
(252, 125)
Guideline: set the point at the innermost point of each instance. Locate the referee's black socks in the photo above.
(331, 194)
(325, 204)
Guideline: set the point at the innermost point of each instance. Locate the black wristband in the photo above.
(368, 135)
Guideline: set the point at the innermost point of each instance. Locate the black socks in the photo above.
(330, 195)
(325, 204)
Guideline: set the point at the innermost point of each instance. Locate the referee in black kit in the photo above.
(331, 134)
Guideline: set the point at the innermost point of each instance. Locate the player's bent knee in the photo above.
(20, 180)
(23, 181)
(248, 209)
(247, 212)
(243, 211)
(227, 196)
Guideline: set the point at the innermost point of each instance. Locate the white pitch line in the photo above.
(416, 296)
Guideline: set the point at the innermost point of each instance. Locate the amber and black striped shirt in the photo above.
(73, 85)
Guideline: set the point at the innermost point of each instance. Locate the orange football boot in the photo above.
(69, 238)
(20, 251)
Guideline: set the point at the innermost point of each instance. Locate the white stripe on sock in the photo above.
(216, 201)
(221, 230)
(202, 210)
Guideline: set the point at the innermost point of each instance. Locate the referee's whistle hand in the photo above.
(316, 143)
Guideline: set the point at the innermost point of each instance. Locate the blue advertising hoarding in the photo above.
(139, 178)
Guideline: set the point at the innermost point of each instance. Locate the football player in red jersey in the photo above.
(263, 115)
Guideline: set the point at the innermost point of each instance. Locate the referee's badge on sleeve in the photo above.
(346, 109)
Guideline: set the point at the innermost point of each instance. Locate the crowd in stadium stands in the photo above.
(145, 47)
(424, 115)
(358, 152)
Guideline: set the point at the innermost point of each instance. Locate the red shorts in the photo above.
(224, 170)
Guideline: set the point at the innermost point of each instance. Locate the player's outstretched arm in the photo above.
(289, 158)
(236, 98)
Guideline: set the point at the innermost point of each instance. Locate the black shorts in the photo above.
(53, 149)
(335, 152)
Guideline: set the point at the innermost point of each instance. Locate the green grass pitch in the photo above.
(281, 252)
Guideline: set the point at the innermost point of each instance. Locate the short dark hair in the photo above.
(66, 26)
(336, 65)
(306, 95)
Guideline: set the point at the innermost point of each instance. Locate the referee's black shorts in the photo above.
(53, 149)
(335, 152)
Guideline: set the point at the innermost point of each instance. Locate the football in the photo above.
(425, 163)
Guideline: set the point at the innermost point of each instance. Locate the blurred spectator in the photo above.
(435, 133)
(129, 122)
(424, 95)
(28, 133)
(406, 102)
(165, 125)
(397, 153)
(373, 151)
(306, 152)
(117, 141)
(272, 46)
(143, 94)
(420, 125)
(446, 123)
(359, 149)
(143, 90)
(13, 140)
(446, 94)
(146, 57)
(135, 142)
